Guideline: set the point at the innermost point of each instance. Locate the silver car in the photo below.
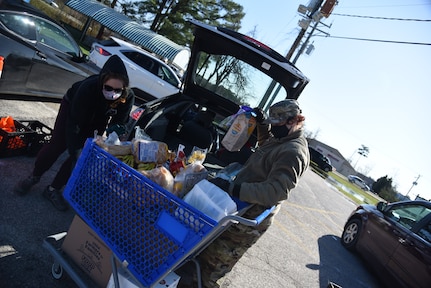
(359, 182)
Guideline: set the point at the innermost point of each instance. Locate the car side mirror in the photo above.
(381, 206)
(81, 58)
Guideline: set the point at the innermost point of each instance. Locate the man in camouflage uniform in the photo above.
(265, 180)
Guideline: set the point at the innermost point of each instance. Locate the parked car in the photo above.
(394, 239)
(359, 182)
(226, 70)
(149, 76)
(320, 160)
(52, 3)
(41, 58)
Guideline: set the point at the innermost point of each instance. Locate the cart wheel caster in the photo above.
(57, 271)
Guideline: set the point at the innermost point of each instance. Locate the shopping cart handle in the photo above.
(264, 214)
(245, 221)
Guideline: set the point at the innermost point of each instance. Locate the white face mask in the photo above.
(110, 95)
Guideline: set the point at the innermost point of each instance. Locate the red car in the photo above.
(395, 239)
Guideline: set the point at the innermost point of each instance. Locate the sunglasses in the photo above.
(110, 88)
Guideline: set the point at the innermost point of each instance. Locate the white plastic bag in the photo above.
(211, 200)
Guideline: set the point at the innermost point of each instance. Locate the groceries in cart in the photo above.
(181, 174)
(148, 232)
(173, 170)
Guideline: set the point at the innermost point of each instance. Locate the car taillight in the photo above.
(102, 51)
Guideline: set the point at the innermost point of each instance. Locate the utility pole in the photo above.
(311, 13)
(413, 184)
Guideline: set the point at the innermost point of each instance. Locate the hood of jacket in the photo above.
(114, 65)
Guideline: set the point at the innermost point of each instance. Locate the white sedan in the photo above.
(149, 76)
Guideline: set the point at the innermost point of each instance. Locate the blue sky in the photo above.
(362, 92)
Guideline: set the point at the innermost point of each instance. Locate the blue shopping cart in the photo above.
(150, 231)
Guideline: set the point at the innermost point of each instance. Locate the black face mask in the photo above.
(280, 131)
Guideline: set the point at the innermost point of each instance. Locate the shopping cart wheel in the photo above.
(57, 270)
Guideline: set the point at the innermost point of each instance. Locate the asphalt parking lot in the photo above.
(301, 249)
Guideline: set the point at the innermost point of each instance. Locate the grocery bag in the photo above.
(239, 132)
(211, 200)
(7, 124)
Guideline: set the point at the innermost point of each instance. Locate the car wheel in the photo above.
(351, 234)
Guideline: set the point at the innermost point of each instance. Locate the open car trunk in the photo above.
(226, 70)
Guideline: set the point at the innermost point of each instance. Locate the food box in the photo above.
(88, 251)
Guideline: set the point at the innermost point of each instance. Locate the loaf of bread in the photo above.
(161, 176)
(150, 151)
(125, 148)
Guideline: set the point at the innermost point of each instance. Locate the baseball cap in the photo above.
(283, 110)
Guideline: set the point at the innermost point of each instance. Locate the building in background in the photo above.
(340, 164)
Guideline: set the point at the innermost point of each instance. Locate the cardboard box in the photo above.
(127, 281)
(88, 251)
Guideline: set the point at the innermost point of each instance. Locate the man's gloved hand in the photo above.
(260, 115)
(221, 183)
(119, 129)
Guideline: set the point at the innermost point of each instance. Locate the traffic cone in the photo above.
(1, 64)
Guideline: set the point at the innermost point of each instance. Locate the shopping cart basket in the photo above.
(150, 231)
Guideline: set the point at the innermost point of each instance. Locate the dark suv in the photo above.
(319, 160)
(226, 70)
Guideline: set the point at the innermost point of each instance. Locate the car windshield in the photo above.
(236, 80)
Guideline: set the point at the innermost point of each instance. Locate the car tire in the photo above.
(351, 233)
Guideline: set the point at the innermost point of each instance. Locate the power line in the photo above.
(383, 18)
(383, 6)
(375, 40)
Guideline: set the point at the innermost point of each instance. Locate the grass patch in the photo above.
(84, 50)
(350, 190)
(369, 198)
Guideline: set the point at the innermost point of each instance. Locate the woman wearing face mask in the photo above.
(100, 102)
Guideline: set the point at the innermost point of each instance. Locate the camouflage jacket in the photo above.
(274, 169)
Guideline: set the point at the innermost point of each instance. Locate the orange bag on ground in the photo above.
(7, 124)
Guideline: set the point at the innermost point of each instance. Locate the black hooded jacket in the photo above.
(90, 111)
